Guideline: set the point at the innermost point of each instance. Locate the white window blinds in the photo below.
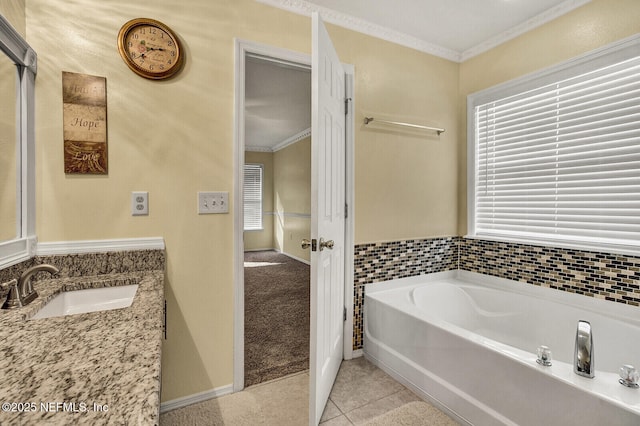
(562, 161)
(252, 197)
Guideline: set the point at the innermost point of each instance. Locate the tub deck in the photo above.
(467, 343)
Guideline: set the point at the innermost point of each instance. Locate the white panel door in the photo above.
(327, 217)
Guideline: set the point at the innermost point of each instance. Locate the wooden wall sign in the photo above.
(84, 99)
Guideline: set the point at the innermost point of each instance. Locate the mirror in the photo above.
(17, 182)
(9, 200)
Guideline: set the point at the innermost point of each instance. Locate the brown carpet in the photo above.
(276, 316)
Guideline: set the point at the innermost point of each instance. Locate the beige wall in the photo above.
(14, 12)
(403, 182)
(261, 240)
(174, 138)
(292, 198)
(593, 25)
(286, 200)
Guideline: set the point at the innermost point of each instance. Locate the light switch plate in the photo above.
(213, 202)
(139, 203)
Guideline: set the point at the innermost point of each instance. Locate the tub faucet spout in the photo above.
(583, 360)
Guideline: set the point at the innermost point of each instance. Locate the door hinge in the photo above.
(346, 105)
(346, 210)
(344, 313)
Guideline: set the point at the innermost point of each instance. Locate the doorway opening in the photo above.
(277, 215)
(245, 52)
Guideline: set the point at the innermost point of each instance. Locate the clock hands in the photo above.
(148, 49)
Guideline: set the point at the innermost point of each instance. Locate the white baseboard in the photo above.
(195, 398)
(99, 246)
(306, 262)
(260, 249)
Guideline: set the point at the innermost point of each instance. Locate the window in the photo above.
(556, 156)
(252, 197)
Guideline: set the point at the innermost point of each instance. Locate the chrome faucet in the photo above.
(583, 364)
(21, 291)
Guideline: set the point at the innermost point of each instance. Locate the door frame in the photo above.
(242, 49)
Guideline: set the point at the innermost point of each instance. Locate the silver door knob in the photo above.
(305, 244)
(326, 244)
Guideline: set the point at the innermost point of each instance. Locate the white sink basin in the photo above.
(89, 300)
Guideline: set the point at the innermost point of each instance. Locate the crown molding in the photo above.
(344, 20)
(293, 139)
(511, 33)
(285, 143)
(256, 148)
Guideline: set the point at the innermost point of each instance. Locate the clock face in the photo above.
(149, 48)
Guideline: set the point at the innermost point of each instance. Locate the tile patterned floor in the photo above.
(361, 392)
(282, 401)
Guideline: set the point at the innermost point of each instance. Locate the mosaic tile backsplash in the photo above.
(596, 274)
(602, 275)
(377, 262)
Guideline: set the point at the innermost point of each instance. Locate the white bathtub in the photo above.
(467, 342)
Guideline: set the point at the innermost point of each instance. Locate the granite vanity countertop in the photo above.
(96, 368)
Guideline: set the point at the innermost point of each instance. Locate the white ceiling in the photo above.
(277, 104)
(278, 98)
(453, 29)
